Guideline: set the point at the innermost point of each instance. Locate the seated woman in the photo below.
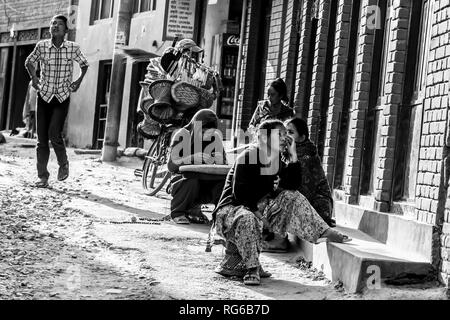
(194, 145)
(276, 107)
(260, 191)
(314, 184)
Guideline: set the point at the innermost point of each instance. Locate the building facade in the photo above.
(22, 24)
(372, 77)
(151, 26)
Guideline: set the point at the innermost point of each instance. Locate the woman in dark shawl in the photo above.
(314, 184)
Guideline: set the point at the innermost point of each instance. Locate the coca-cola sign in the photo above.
(233, 40)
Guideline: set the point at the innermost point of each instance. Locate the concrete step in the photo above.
(363, 263)
(396, 232)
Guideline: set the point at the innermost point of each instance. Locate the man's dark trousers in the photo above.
(50, 119)
(189, 193)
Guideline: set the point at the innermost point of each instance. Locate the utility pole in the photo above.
(109, 153)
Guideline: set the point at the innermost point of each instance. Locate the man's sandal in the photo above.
(197, 219)
(181, 220)
(42, 184)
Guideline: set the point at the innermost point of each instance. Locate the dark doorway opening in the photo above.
(5, 76)
(134, 139)
(20, 87)
(101, 106)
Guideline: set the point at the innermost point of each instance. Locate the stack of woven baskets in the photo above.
(174, 100)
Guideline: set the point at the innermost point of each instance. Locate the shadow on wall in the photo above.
(375, 225)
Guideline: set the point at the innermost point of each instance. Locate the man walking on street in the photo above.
(56, 57)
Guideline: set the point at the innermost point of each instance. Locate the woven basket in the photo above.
(185, 95)
(149, 128)
(161, 110)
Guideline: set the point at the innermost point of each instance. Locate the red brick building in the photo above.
(372, 77)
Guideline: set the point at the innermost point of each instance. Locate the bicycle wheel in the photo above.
(154, 173)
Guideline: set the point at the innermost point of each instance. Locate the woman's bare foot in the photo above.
(333, 235)
(252, 278)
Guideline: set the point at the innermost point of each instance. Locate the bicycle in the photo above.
(154, 172)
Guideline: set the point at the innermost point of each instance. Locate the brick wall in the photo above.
(319, 70)
(275, 40)
(28, 14)
(430, 178)
(341, 49)
(434, 165)
(394, 74)
(303, 53)
(290, 45)
(248, 69)
(359, 106)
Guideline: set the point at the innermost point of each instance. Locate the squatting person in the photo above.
(189, 193)
(56, 57)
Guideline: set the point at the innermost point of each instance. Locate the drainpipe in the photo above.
(234, 125)
(73, 17)
(111, 143)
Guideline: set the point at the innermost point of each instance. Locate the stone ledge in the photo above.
(355, 263)
(395, 231)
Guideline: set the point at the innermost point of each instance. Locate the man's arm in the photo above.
(76, 84)
(84, 66)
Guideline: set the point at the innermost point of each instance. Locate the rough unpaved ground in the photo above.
(65, 243)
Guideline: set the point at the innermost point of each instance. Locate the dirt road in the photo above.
(69, 242)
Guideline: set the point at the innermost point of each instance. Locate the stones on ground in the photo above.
(2, 139)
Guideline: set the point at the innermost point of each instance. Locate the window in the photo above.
(424, 47)
(386, 49)
(144, 5)
(102, 9)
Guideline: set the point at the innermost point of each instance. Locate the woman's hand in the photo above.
(276, 183)
(292, 149)
(260, 216)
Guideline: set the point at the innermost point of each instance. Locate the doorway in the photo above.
(5, 76)
(134, 139)
(21, 81)
(101, 106)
